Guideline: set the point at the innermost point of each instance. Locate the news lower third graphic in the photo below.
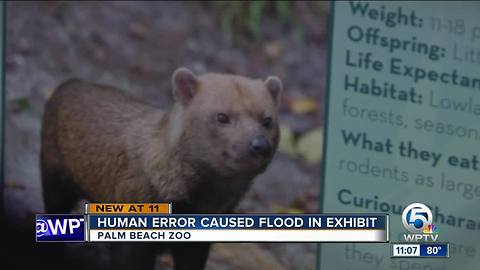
(421, 241)
(156, 223)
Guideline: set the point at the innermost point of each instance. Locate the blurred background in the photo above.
(136, 46)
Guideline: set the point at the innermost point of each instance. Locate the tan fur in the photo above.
(116, 148)
(102, 144)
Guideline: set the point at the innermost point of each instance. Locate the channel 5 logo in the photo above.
(60, 228)
(417, 218)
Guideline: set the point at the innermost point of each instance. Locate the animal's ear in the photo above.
(274, 86)
(185, 85)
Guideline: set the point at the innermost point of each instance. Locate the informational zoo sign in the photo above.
(403, 126)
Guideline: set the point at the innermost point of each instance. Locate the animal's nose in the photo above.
(260, 145)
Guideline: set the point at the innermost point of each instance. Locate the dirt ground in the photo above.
(136, 46)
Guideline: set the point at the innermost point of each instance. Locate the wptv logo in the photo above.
(60, 228)
(417, 219)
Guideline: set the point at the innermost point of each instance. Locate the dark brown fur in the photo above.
(100, 143)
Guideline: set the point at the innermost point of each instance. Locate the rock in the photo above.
(137, 30)
(241, 256)
(298, 256)
(274, 49)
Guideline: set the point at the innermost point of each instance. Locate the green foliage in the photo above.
(255, 15)
(283, 9)
(246, 16)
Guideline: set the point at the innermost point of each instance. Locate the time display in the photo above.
(407, 250)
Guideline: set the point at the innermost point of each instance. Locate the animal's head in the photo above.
(229, 122)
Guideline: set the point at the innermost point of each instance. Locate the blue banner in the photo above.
(60, 228)
(434, 250)
(337, 222)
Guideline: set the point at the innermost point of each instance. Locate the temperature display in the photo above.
(433, 250)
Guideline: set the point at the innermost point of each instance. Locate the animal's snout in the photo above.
(260, 145)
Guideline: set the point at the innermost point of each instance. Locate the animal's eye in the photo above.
(267, 122)
(223, 118)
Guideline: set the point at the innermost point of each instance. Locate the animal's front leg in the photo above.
(128, 256)
(190, 256)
